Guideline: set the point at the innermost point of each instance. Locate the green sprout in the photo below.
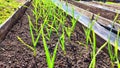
(110, 49)
(34, 40)
(62, 41)
(69, 30)
(50, 60)
(94, 51)
(94, 56)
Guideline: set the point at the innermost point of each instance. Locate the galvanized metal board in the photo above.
(102, 33)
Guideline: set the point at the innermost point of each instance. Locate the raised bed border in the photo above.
(105, 8)
(8, 24)
(101, 32)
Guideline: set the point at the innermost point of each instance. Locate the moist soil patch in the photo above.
(13, 54)
(104, 13)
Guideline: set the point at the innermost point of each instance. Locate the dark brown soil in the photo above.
(13, 54)
(104, 13)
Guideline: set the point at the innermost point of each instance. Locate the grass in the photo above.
(87, 32)
(92, 64)
(7, 8)
(113, 51)
(70, 29)
(93, 50)
(111, 3)
(62, 41)
(34, 39)
(116, 50)
(50, 60)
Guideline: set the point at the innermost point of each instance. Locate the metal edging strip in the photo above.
(84, 20)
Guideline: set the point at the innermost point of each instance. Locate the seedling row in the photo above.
(47, 36)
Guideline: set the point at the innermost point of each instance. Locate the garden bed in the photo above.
(77, 54)
(104, 13)
(14, 54)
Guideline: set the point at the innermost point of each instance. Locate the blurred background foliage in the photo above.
(7, 7)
